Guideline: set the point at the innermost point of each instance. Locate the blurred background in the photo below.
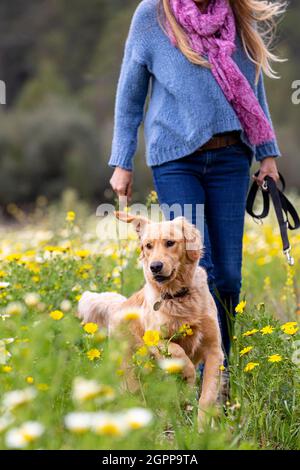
(60, 60)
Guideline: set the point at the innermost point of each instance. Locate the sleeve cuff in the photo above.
(118, 161)
(269, 149)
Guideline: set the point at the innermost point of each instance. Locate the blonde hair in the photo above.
(256, 23)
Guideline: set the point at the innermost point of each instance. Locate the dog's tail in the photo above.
(96, 308)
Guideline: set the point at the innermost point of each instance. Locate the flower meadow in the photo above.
(62, 383)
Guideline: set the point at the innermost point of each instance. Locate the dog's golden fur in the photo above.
(177, 246)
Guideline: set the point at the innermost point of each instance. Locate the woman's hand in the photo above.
(268, 167)
(121, 182)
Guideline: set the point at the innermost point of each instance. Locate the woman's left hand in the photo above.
(268, 167)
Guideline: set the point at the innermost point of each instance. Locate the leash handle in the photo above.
(282, 207)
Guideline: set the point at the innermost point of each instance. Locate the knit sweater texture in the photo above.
(186, 106)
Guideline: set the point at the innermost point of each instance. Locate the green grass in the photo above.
(47, 355)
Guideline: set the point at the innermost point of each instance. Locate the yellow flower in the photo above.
(100, 336)
(43, 387)
(246, 350)
(143, 351)
(151, 337)
(289, 323)
(186, 330)
(260, 307)
(148, 365)
(131, 315)
(267, 330)
(56, 315)
(29, 379)
(241, 306)
(290, 328)
(7, 369)
(221, 368)
(83, 253)
(84, 267)
(250, 332)
(33, 267)
(93, 354)
(275, 358)
(264, 260)
(153, 196)
(250, 366)
(90, 328)
(70, 217)
(14, 257)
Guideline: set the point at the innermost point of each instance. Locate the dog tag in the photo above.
(157, 305)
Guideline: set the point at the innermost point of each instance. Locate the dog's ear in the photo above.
(192, 237)
(137, 221)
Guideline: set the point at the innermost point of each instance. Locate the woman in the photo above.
(207, 118)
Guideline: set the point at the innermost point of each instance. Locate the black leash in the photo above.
(286, 213)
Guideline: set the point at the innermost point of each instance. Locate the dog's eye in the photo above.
(148, 246)
(170, 243)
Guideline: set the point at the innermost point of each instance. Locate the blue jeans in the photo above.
(218, 180)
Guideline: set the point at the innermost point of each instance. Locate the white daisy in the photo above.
(5, 421)
(85, 389)
(137, 418)
(3, 285)
(14, 308)
(18, 438)
(31, 299)
(109, 424)
(66, 305)
(16, 398)
(171, 365)
(78, 422)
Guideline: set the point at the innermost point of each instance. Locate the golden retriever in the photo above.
(175, 293)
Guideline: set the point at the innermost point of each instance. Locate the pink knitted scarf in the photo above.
(212, 34)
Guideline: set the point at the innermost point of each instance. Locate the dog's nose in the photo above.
(156, 267)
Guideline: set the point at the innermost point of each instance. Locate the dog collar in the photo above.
(166, 296)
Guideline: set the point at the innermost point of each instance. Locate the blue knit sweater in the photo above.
(186, 106)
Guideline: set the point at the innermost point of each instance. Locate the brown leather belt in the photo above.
(221, 140)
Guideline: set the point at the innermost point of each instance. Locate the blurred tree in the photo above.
(47, 83)
(47, 150)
